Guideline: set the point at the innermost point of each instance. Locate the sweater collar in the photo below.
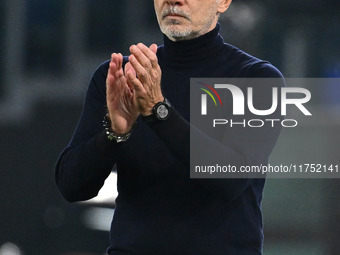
(194, 52)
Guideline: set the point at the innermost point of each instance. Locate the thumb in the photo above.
(129, 69)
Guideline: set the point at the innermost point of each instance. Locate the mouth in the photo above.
(174, 13)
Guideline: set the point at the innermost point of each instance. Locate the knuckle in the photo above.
(154, 73)
(154, 59)
(137, 53)
(143, 74)
(147, 65)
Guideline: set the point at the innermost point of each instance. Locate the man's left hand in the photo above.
(147, 81)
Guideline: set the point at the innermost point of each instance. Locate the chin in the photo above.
(176, 30)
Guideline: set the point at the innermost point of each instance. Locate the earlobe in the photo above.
(223, 6)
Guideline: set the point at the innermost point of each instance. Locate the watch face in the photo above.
(162, 111)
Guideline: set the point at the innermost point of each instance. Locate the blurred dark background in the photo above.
(49, 49)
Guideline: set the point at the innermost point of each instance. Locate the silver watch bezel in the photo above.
(165, 104)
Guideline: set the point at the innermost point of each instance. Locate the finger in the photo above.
(110, 79)
(129, 68)
(140, 56)
(120, 60)
(117, 60)
(153, 47)
(150, 53)
(140, 70)
(116, 80)
(112, 65)
(135, 82)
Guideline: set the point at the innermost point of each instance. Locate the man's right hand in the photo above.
(120, 101)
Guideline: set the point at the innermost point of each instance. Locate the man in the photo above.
(159, 209)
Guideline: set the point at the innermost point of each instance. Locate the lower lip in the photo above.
(174, 16)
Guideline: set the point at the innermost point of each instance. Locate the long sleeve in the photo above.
(85, 163)
(242, 146)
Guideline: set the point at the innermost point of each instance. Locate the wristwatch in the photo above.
(160, 112)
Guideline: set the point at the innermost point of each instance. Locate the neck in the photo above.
(193, 52)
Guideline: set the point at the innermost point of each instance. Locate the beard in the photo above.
(176, 29)
(172, 27)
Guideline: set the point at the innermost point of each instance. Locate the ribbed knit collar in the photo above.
(194, 52)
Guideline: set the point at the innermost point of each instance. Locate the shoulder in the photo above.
(248, 66)
(97, 86)
(100, 73)
(102, 68)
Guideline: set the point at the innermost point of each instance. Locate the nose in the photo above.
(175, 2)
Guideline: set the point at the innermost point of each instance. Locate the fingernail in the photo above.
(133, 48)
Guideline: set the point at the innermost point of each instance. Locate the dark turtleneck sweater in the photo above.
(160, 210)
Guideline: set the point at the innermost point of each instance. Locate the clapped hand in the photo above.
(146, 81)
(121, 104)
(135, 91)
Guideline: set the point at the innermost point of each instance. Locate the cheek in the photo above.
(208, 12)
(157, 8)
(199, 18)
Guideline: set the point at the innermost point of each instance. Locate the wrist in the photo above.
(160, 112)
(149, 111)
(111, 135)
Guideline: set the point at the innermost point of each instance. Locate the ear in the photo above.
(223, 5)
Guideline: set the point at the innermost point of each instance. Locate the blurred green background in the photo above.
(49, 49)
